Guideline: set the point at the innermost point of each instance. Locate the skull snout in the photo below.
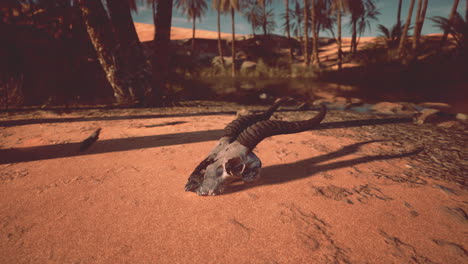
(191, 186)
(210, 187)
(213, 181)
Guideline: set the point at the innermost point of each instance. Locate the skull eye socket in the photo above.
(235, 166)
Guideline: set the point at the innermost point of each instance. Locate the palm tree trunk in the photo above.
(399, 19)
(99, 30)
(264, 22)
(338, 24)
(288, 33)
(193, 35)
(233, 44)
(421, 14)
(136, 67)
(452, 15)
(162, 37)
(416, 23)
(466, 11)
(162, 16)
(352, 49)
(155, 12)
(315, 53)
(306, 33)
(220, 47)
(399, 13)
(401, 46)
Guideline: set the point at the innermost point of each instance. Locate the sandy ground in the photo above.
(321, 198)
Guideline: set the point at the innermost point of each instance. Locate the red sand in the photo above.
(123, 201)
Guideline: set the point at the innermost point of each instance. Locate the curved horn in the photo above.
(233, 129)
(255, 133)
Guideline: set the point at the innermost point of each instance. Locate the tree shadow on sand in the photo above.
(64, 150)
(282, 173)
(21, 122)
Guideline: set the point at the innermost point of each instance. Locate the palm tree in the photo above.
(315, 53)
(193, 9)
(216, 4)
(420, 16)
(232, 6)
(356, 9)
(398, 22)
(287, 29)
(466, 11)
(233, 42)
(99, 30)
(338, 8)
(457, 28)
(253, 13)
(401, 46)
(391, 35)
(451, 17)
(263, 4)
(159, 61)
(325, 19)
(370, 14)
(306, 33)
(162, 17)
(134, 62)
(296, 20)
(270, 21)
(361, 13)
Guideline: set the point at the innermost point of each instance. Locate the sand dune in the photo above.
(146, 33)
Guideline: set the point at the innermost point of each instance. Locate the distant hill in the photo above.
(146, 33)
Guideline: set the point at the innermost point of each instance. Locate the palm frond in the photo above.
(384, 30)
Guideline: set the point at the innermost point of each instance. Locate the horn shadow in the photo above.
(279, 174)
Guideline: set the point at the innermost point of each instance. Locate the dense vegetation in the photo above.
(87, 51)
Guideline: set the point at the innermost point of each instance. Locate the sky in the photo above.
(387, 8)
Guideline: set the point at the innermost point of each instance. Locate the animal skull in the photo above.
(232, 158)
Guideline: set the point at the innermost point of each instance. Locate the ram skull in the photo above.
(232, 158)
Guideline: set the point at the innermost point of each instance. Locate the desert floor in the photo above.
(343, 193)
